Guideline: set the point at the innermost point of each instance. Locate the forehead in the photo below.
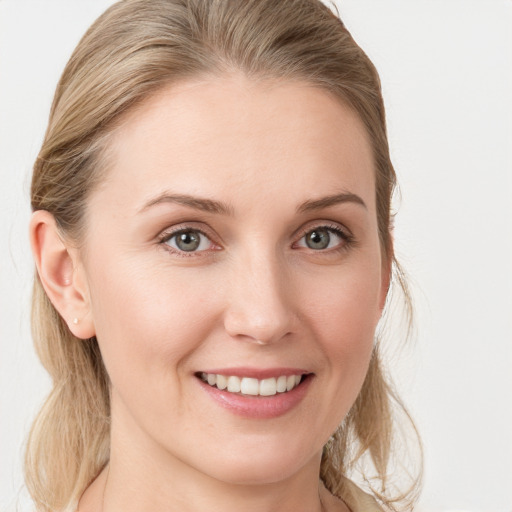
(234, 137)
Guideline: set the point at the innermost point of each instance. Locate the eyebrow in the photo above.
(218, 207)
(199, 203)
(325, 202)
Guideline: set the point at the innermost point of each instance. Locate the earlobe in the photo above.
(60, 274)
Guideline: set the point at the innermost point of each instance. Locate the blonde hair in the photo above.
(135, 48)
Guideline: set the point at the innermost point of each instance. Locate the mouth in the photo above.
(256, 393)
(251, 386)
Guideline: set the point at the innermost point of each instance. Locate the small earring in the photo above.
(75, 321)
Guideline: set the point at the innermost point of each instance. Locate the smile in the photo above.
(252, 386)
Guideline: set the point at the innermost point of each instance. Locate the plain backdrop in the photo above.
(446, 69)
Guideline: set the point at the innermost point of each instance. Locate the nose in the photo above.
(260, 307)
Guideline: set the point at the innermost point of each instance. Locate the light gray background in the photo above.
(446, 68)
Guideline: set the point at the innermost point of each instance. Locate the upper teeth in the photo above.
(250, 386)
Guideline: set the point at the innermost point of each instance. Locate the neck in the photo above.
(140, 487)
(142, 476)
(122, 489)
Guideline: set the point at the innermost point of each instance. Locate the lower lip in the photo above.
(259, 406)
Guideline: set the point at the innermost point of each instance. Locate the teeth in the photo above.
(222, 382)
(234, 384)
(268, 387)
(251, 386)
(281, 384)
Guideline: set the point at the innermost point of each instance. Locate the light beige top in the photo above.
(360, 501)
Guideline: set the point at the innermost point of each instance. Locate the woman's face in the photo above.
(235, 234)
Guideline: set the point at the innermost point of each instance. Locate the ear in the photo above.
(61, 274)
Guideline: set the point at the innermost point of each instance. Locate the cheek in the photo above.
(347, 301)
(147, 318)
(344, 313)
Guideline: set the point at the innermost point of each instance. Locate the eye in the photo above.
(188, 240)
(323, 237)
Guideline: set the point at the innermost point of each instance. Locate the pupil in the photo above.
(318, 239)
(188, 241)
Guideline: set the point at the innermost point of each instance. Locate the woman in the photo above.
(211, 231)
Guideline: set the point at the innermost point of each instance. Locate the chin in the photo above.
(260, 467)
(249, 474)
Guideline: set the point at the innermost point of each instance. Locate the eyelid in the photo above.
(168, 233)
(330, 225)
(339, 229)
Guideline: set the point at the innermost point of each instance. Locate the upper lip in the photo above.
(256, 373)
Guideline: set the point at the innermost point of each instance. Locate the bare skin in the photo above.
(93, 498)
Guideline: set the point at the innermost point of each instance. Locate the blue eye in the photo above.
(322, 238)
(188, 240)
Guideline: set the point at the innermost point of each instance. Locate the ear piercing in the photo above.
(75, 321)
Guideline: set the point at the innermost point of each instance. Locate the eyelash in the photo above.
(347, 238)
(345, 235)
(166, 236)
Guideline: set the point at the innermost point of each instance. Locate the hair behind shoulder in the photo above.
(134, 49)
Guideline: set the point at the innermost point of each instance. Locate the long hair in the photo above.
(134, 49)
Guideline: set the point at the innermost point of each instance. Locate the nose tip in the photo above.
(256, 328)
(260, 307)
